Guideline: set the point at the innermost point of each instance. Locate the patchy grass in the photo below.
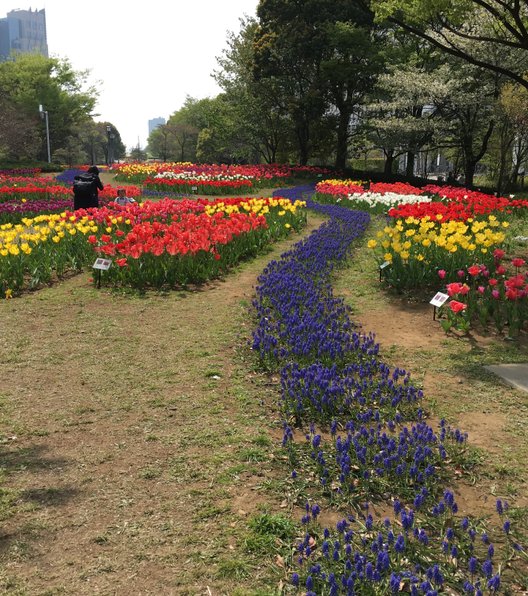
(134, 439)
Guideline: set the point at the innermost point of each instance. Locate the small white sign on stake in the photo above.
(103, 264)
(439, 299)
(194, 188)
(382, 267)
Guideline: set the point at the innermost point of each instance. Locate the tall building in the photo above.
(154, 123)
(23, 31)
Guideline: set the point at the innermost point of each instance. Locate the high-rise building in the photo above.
(154, 123)
(23, 31)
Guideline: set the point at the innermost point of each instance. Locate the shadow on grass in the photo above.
(49, 497)
(28, 458)
(18, 534)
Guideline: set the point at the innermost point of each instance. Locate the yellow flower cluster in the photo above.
(23, 237)
(348, 182)
(257, 206)
(131, 170)
(413, 238)
(134, 169)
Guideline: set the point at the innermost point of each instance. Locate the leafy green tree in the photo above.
(401, 113)
(351, 62)
(323, 56)
(288, 50)
(19, 138)
(138, 153)
(514, 105)
(30, 80)
(72, 151)
(257, 104)
(110, 141)
(92, 137)
(174, 141)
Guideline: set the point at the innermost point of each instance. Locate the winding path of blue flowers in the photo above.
(332, 376)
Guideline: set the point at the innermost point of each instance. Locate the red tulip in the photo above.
(456, 306)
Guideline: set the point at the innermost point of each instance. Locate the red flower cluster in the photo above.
(336, 189)
(458, 204)
(510, 288)
(190, 234)
(31, 190)
(401, 188)
(160, 183)
(168, 226)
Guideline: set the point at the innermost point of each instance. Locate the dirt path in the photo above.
(130, 438)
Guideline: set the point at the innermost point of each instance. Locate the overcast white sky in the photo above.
(147, 56)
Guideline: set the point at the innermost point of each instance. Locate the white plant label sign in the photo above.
(439, 299)
(103, 264)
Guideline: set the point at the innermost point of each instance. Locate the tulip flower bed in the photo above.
(448, 235)
(211, 178)
(30, 188)
(193, 241)
(332, 190)
(159, 244)
(20, 172)
(29, 197)
(460, 204)
(358, 447)
(347, 193)
(417, 248)
(35, 250)
(208, 184)
(498, 295)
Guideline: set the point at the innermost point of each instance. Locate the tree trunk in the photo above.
(469, 173)
(342, 141)
(303, 138)
(502, 174)
(409, 170)
(389, 162)
(303, 153)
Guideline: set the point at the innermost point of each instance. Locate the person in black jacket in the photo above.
(86, 194)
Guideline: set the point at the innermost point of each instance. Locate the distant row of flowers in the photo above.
(210, 178)
(20, 172)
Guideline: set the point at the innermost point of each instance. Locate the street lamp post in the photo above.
(108, 130)
(44, 114)
(111, 137)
